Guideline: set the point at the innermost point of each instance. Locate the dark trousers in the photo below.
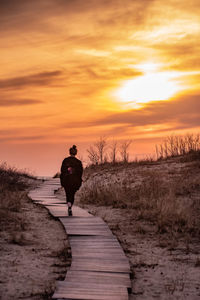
(70, 193)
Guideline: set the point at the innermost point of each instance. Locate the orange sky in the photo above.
(73, 70)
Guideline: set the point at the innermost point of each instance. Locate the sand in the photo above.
(31, 260)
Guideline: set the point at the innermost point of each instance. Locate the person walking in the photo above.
(71, 177)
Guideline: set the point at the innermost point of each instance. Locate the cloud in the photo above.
(112, 73)
(21, 138)
(39, 79)
(184, 110)
(182, 113)
(4, 102)
(19, 134)
(91, 16)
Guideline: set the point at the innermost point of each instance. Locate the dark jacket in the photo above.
(71, 173)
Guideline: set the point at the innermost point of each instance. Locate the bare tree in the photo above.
(101, 146)
(197, 142)
(157, 152)
(182, 149)
(93, 155)
(113, 154)
(178, 145)
(124, 150)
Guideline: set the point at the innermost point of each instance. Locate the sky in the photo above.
(73, 71)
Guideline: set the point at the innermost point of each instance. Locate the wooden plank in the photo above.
(83, 219)
(87, 232)
(92, 227)
(93, 289)
(94, 246)
(118, 279)
(100, 265)
(112, 289)
(93, 238)
(100, 251)
(115, 256)
(46, 202)
(76, 292)
(78, 220)
(87, 225)
(99, 260)
(87, 251)
(111, 243)
(80, 295)
(54, 204)
(91, 223)
(45, 196)
(98, 274)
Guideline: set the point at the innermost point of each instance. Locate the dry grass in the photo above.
(13, 184)
(12, 179)
(164, 194)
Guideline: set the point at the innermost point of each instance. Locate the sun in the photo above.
(153, 85)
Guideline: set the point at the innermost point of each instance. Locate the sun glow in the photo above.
(154, 85)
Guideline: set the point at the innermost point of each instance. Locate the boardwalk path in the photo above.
(99, 268)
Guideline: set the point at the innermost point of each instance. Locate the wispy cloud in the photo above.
(184, 112)
(6, 102)
(21, 138)
(39, 79)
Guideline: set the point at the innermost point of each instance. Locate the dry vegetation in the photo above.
(13, 184)
(165, 193)
(33, 246)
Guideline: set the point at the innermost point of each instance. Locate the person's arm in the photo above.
(62, 167)
(81, 170)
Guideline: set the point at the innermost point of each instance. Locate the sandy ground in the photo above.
(162, 268)
(31, 260)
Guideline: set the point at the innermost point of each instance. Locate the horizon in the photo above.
(74, 71)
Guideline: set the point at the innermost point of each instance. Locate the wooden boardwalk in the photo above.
(99, 269)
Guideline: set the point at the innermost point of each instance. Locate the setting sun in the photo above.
(152, 86)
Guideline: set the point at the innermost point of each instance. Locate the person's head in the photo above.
(73, 150)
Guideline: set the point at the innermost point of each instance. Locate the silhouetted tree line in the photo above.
(175, 145)
(103, 151)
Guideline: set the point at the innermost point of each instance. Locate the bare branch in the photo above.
(124, 150)
(100, 146)
(113, 154)
(93, 155)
